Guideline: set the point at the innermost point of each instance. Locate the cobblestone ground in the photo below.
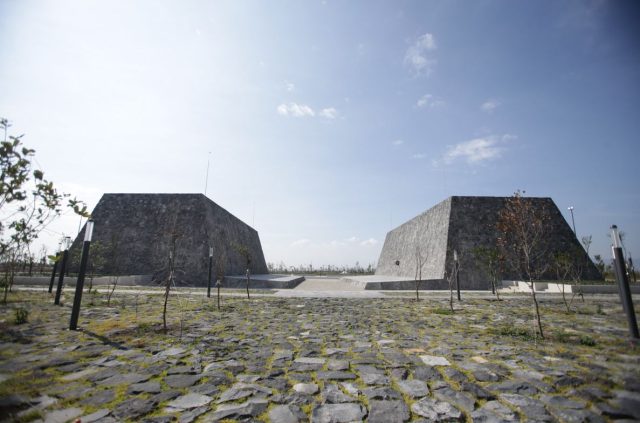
(317, 359)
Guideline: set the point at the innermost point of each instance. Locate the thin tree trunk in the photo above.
(495, 289)
(115, 283)
(564, 299)
(166, 300)
(537, 307)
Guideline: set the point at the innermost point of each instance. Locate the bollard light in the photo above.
(210, 268)
(623, 283)
(54, 270)
(457, 267)
(88, 231)
(66, 243)
(77, 299)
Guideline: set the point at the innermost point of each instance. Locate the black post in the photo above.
(623, 284)
(53, 274)
(63, 267)
(210, 266)
(458, 280)
(457, 267)
(77, 299)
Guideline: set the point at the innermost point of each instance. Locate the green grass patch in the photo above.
(443, 311)
(514, 332)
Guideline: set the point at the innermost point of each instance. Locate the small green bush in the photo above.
(513, 331)
(22, 314)
(587, 340)
(444, 311)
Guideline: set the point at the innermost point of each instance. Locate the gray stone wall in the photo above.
(142, 226)
(472, 224)
(428, 232)
(463, 224)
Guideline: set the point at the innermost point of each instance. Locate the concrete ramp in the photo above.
(393, 283)
(328, 288)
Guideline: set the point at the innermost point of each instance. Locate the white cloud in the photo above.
(429, 101)
(300, 242)
(397, 142)
(418, 56)
(368, 242)
(478, 149)
(489, 106)
(290, 86)
(329, 113)
(302, 110)
(352, 239)
(418, 156)
(295, 110)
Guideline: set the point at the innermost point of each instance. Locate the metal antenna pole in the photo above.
(206, 179)
(573, 222)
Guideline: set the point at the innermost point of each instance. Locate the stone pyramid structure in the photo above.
(463, 224)
(141, 225)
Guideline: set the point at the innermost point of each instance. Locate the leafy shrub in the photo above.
(22, 314)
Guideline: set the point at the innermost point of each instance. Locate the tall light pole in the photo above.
(573, 221)
(77, 299)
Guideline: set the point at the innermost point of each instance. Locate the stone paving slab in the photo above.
(318, 359)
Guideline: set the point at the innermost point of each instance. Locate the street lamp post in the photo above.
(63, 268)
(210, 266)
(77, 299)
(573, 222)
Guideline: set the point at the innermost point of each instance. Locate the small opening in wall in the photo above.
(397, 262)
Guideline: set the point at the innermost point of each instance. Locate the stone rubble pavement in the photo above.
(288, 360)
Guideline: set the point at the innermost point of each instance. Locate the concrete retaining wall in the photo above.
(130, 280)
(556, 288)
(263, 282)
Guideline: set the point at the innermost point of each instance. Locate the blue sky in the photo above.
(328, 123)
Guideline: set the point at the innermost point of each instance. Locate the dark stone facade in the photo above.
(463, 224)
(143, 225)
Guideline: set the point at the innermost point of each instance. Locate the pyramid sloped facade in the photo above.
(464, 224)
(143, 226)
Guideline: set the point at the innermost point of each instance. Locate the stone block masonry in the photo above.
(463, 224)
(143, 225)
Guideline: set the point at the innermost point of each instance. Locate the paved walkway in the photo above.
(320, 360)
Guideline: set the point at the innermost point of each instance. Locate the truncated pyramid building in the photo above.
(464, 224)
(143, 226)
